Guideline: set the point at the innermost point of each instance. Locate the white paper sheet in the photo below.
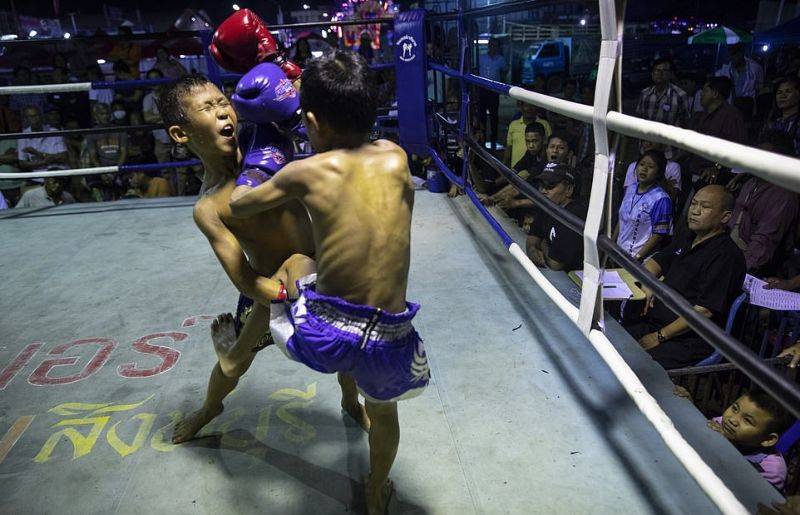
(780, 300)
(614, 288)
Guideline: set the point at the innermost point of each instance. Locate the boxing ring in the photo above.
(532, 408)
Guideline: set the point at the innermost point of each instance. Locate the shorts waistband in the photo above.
(374, 323)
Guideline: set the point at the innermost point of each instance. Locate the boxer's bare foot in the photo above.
(223, 335)
(189, 426)
(378, 497)
(358, 413)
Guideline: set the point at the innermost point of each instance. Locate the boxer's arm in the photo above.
(284, 186)
(230, 255)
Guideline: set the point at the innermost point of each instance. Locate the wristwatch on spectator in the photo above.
(660, 337)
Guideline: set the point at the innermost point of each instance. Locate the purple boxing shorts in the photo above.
(381, 350)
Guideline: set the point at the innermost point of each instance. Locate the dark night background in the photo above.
(730, 12)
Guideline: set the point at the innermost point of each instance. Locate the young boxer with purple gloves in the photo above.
(250, 250)
(352, 315)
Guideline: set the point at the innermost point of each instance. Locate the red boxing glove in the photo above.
(243, 41)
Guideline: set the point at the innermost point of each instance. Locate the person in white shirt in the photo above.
(40, 153)
(50, 194)
(747, 77)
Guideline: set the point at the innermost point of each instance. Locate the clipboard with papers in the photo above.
(618, 284)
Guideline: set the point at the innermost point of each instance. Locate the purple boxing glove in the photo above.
(265, 95)
(260, 164)
(252, 177)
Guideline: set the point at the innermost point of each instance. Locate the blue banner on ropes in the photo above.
(412, 80)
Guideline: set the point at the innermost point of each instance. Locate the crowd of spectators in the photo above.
(697, 225)
(694, 222)
(125, 108)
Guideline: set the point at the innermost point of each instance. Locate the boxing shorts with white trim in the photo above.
(381, 350)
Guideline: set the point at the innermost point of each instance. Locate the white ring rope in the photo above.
(46, 88)
(705, 477)
(60, 173)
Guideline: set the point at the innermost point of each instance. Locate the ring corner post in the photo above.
(411, 66)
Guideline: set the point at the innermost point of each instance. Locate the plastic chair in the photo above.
(716, 357)
(788, 439)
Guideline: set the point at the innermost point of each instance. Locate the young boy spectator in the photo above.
(551, 243)
(515, 142)
(360, 196)
(753, 424)
(146, 186)
(528, 167)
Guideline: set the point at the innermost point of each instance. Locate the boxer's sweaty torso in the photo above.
(268, 238)
(361, 202)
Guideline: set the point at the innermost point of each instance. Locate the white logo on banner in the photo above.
(407, 44)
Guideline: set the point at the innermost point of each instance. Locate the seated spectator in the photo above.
(704, 266)
(52, 119)
(40, 153)
(765, 216)
(103, 96)
(9, 119)
(753, 424)
(76, 184)
(146, 186)
(106, 149)
(119, 113)
(9, 122)
(645, 216)
(528, 168)
(23, 76)
(73, 105)
(127, 51)
(672, 171)
(747, 78)
(786, 111)
(515, 140)
(50, 194)
(140, 143)
(302, 52)
(569, 90)
(793, 352)
(550, 242)
(169, 67)
(132, 98)
(162, 143)
(718, 119)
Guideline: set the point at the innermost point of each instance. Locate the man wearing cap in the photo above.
(550, 242)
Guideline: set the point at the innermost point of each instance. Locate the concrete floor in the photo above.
(521, 416)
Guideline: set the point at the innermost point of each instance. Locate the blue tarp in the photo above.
(788, 32)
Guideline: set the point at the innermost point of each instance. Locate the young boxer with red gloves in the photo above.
(197, 114)
(352, 316)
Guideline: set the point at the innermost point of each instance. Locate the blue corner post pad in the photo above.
(412, 77)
